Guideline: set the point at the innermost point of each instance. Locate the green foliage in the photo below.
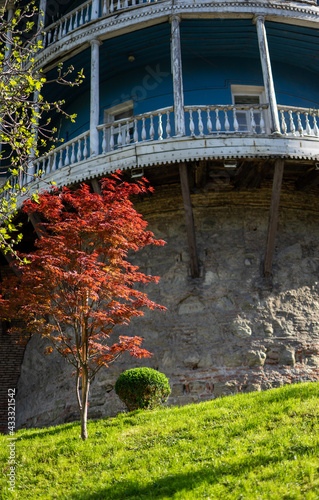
(142, 388)
(258, 446)
(24, 122)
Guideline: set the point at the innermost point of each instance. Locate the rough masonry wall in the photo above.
(11, 356)
(230, 330)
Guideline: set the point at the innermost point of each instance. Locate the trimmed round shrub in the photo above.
(142, 388)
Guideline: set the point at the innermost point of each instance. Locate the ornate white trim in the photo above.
(141, 16)
(174, 150)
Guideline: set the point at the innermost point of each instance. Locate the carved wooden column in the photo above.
(267, 73)
(30, 170)
(9, 17)
(8, 48)
(41, 16)
(273, 216)
(37, 224)
(95, 98)
(176, 68)
(190, 227)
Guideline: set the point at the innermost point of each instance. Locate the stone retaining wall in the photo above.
(230, 330)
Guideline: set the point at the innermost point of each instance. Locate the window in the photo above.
(248, 95)
(118, 112)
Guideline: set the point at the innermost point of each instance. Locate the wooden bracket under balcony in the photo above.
(273, 215)
(190, 227)
(36, 222)
(96, 186)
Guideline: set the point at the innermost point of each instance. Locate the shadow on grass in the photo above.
(51, 431)
(170, 484)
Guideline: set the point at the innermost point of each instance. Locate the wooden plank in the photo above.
(190, 227)
(273, 216)
(96, 186)
(36, 222)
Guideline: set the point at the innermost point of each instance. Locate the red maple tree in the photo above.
(78, 283)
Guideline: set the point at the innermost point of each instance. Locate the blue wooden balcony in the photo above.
(212, 131)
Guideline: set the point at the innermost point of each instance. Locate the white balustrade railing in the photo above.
(154, 125)
(68, 153)
(298, 121)
(224, 119)
(200, 121)
(84, 14)
(110, 6)
(71, 21)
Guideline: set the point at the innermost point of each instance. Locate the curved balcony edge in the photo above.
(64, 41)
(174, 150)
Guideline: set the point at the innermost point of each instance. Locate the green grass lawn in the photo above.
(251, 446)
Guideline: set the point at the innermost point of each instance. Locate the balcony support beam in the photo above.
(177, 74)
(273, 215)
(267, 73)
(37, 224)
(94, 98)
(190, 227)
(96, 186)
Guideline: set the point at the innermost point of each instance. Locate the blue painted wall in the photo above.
(208, 81)
(149, 86)
(295, 87)
(209, 70)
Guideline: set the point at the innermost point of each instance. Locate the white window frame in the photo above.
(250, 90)
(111, 113)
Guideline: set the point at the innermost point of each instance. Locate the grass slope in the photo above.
(250, 446)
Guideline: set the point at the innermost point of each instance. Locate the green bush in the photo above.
(142, 388)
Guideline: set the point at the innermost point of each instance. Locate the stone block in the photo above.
(197, 387)
(268, 329)
(210, 278)
(168, 360)
(253, 387)
(313, 361)
(191, 305)
(192, 361)
(205, 361)
(225, 388)
(255, 358)
(287, 356)
(177, 390)
(241, 328)
(233, 360)
(223, 303)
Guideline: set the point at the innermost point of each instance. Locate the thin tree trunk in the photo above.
(78, 397)
(85, 397)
